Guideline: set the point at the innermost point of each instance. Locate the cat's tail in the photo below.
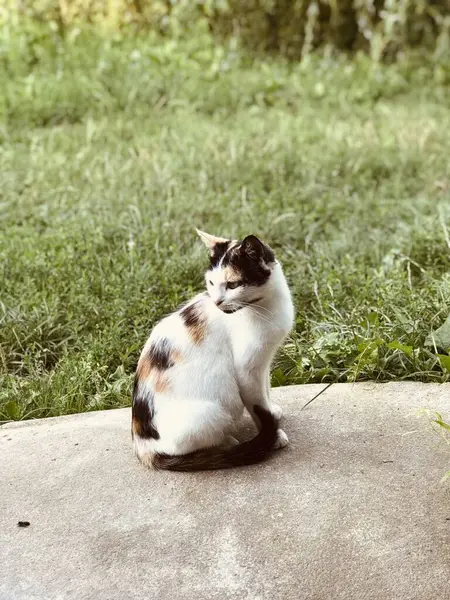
(248, 453)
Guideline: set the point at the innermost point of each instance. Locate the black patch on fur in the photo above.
(142, 413)
(217, 253)
(191, 315)
(194, 320)
(250, 258)
(159, 354)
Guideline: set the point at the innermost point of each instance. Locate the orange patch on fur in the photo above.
(198, 332)
(195, 321)
(159, 380)
(135, 426)
(176, 356)
(231, 274)
(143, 368)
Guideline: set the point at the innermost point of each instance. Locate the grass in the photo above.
(112, 151)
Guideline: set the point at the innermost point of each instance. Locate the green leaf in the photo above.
(440, 337)
(442, 424)
(369, 346)
(445, 361)
(321, 373)
(372, 318)
(12, 410)
(408, 350)
(278, 377)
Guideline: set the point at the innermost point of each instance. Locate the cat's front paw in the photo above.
(277, 411)
(281, 441)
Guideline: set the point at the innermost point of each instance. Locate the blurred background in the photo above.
(320, 126)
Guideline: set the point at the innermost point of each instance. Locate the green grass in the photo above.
(113, 151)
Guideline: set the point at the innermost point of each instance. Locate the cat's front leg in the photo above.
(275, 409)
(253, 388)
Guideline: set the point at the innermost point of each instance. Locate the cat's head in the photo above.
(239, 270)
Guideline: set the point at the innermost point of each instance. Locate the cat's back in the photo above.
(194, 328)
(188, 352)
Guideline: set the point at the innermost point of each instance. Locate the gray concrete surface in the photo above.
(353, 509)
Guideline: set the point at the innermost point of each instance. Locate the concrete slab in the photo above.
(353, 509)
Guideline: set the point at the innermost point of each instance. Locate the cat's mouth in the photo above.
(230, 311)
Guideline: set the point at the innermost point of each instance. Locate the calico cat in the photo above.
(211, 358)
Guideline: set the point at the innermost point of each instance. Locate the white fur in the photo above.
(213, 380)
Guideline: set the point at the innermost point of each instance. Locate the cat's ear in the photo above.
(211, 241)
(255, 249)
(252, 246)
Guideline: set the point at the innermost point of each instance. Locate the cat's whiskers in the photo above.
(263, 308)
(254, 310)
(258, 306)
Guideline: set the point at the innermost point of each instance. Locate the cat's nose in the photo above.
(218, 302)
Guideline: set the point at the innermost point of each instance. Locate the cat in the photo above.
(211, 358)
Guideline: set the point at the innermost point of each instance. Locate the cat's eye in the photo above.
(232, 285)
(210, 282)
